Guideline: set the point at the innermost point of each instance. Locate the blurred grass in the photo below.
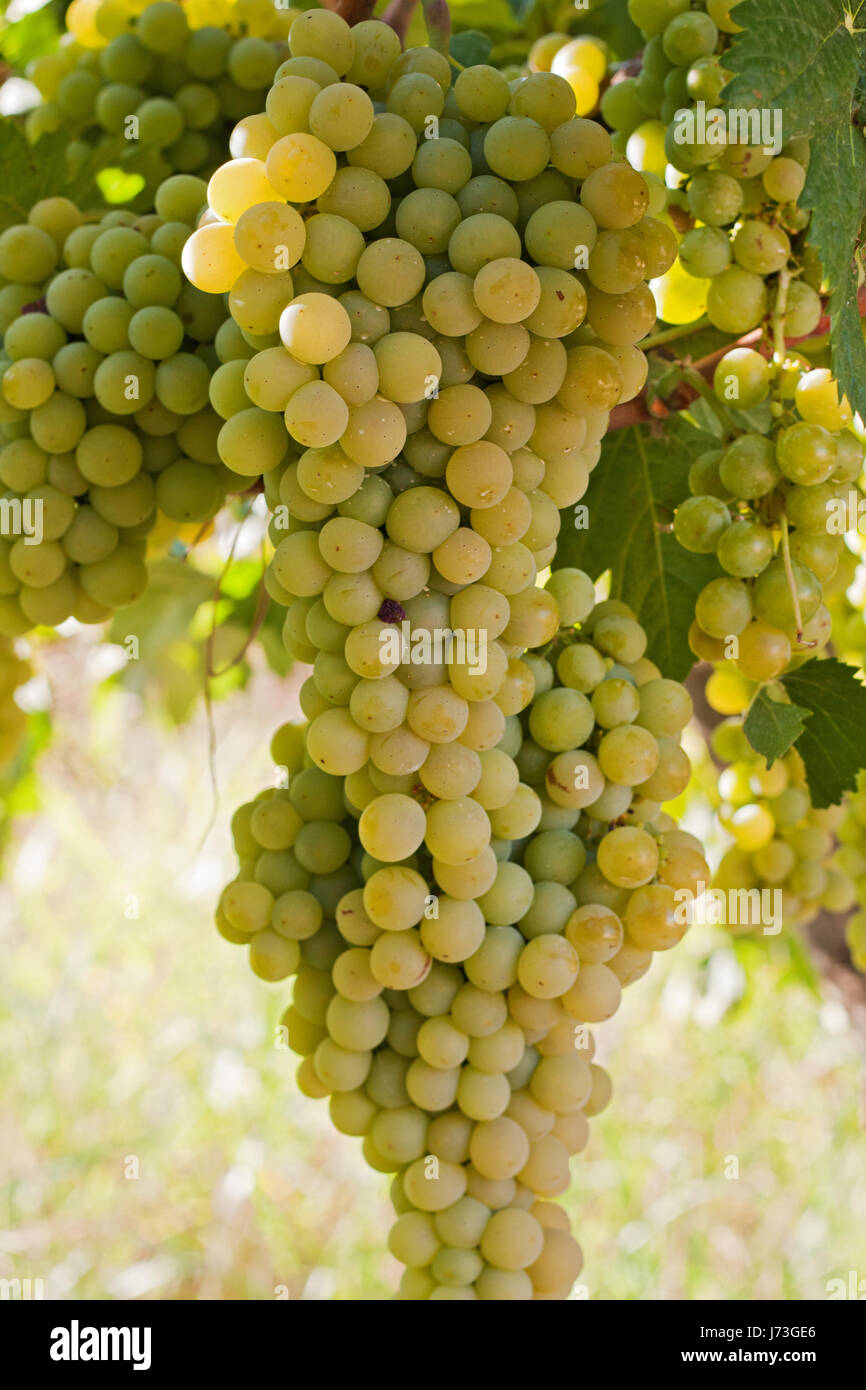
(153, 1143)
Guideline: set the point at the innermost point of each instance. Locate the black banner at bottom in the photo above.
(58, 1340)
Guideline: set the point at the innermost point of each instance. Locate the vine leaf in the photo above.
(30, 172)
(470, 47)
(641, 477)
(772, 726)
(806, 58)
(29, 36)
(833, 743)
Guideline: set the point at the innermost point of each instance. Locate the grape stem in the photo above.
(437, 17)
(780, 309)
(638, 411)
(399, 15)
(699, 384)
(353, 11)
(670, 335)
(789, 575)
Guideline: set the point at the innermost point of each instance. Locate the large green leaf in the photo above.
(640, 479)
(807, 58)
(833, 741)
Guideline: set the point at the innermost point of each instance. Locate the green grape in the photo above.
(705, 251)
(699, 524)
(480, 238)
(704, 477)
(75, 367)
(33, 335)
(689, 37)
(736, 300)
(70, 295)
(748, 468)
(773, 600)
(652, 16)
(488, 194)
(416, 97)
(113, 251)
(150, 280)
(106, 324)
(745, 548)
(742, 376)
(188, 491)
(724, 606)
(28, 255)
(764, 652)
(126, 505)
(806, 454)
(761, 247)
(720, 11)
(784, 180)
(621, 319)
(706, 79)
(715, 198)
(124, 382)
(116, 581)
(182, 383)
(803, 310)
(28, 383)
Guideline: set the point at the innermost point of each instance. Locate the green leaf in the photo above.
(470, 46)
(165, 609)
(639, 480)
(833, 742)
(771, 726)
(29, 37)
(30, 172)
(804, 57)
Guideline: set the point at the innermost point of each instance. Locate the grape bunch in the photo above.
(152, 74)
(104, 412)
(774, 509)
(780, 841)
(453, 933)
(743, 253)
(472, 829)
(14, 672)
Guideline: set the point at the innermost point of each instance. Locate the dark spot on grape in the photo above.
(391, 611)
(38, 306)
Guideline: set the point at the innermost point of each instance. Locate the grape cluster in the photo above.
(743, 252)
(104, 412)
(780, 841)
(14, 672)
(774, 509)
(454, 931)
(470, 858)
(169, 80)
